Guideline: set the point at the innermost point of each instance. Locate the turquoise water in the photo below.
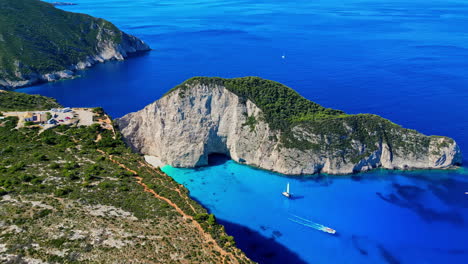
(403, 60)
(380, 217)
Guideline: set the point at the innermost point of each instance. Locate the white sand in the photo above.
(154, 161)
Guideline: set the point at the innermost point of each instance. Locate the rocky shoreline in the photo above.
(37, 50)
(108, 51)
(188, 124)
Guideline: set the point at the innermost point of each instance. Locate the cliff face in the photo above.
(40, 43)
(201, 118)
(106, 51)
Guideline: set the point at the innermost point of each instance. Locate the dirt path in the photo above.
(208, 238)
(185, 197)
(106, 123)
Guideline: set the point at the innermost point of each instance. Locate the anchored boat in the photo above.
(287, 193)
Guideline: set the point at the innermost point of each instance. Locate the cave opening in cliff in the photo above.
(217, 159)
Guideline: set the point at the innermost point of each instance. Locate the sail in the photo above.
(287, 188)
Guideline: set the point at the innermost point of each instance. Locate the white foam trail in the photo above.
(308, 223)
(303, 219)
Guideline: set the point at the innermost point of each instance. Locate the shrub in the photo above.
(211, 220)
(106, 185)
(71, 165)
(50, 140)
(43, 213)
(26, 177)
(201, 217)
(57, 242)
(62, 192)
(41, 157)
(72, 175)
(8, 149)
(98, 111)
(124, 189)
(94, 169)
(54, 166)
(17, 167)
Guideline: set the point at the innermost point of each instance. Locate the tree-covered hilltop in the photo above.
(286, 132)
(13, 101)
(282, 106)
(284, 109)
(79, 195)
(37, 39)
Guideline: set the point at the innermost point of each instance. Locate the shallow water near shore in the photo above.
(380, 216)
(403, 60)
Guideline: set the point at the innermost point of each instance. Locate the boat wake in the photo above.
(305, 222)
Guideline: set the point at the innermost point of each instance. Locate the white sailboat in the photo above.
(287, 193)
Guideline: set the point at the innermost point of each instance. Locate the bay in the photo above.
(403, 60)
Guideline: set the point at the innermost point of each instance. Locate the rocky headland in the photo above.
(268, 125)
(40, 43)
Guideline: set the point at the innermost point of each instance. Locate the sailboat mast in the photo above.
(287, 188)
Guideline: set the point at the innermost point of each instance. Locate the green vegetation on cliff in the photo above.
(282, 106)
(13, 101)
(36, 37)
(296, 117)
(72, 195)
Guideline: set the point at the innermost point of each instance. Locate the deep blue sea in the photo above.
(403, 60)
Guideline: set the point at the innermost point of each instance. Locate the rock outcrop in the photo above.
(107, 51)
(204, 116)
(40, 43)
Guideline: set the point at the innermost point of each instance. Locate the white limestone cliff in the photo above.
(184, 128)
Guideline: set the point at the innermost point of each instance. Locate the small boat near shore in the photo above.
(287, 193)
(308, 223)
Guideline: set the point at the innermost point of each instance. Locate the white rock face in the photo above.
(108, 50)
(154, 161)
(183, 128)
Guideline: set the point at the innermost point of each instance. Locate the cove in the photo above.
(380, 216)
(403, 60)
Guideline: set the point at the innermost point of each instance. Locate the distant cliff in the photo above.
(268, 125)
(40, 43)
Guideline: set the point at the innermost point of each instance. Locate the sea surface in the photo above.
(403, 60)
(380, 217)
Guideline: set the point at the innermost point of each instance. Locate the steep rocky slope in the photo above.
(40, 43)
(265, 124)
(78, 195)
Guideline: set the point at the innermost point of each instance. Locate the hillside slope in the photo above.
(13, 101)
(268, 125)
(40, 43)
(79, 195)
